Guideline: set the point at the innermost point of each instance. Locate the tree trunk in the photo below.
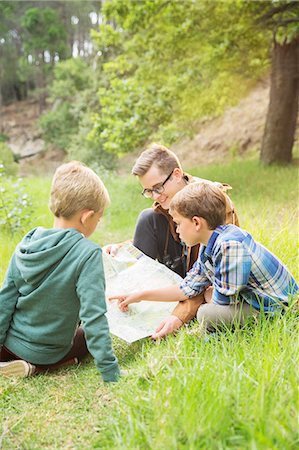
(279, 132)
(65, 14)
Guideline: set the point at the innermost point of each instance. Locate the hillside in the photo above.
(239, 129)
(19, 124)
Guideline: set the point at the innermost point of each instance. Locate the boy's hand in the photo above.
(167, 326)
(112, 249)
(125, 300)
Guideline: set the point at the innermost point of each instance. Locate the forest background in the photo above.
(107, 78)
(111, 76)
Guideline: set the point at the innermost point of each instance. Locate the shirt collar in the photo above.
(211, 242)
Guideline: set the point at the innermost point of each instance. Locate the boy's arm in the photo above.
(232, 271)
(167, 294)
(195, 282)
(91, 293)
(184, 312)
(112, 249)
(9, 295)
(191, 287)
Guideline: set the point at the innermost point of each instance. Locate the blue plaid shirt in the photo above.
(240, 269)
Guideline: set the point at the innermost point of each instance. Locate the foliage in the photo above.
(281, 17)
(36, 33)
(71, 77)
(7, 160)
(68, 124)
(234, 391)
(35, 21)
(15, 204)
(57, 125)
(204, 53)
(91, 152)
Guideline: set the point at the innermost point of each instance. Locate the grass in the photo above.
(238, 390)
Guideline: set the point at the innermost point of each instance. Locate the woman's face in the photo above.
(170, 182)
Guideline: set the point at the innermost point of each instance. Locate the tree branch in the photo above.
(278, 9)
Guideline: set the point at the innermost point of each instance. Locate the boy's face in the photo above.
(171, 183)
(188, 229)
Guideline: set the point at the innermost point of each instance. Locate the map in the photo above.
(128, 272)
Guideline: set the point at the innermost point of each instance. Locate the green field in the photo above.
(234, 391)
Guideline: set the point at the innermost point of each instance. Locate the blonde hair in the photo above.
(76, 187)
(203, 199)
(157, 155)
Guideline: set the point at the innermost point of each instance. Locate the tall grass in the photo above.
(237, 390)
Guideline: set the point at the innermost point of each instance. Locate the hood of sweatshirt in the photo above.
(41, 249)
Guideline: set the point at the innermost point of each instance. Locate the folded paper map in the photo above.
(128, 272)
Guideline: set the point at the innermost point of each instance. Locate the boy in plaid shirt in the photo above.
(241, 275)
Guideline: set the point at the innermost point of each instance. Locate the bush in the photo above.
(58, 125)
(7, 160)
(15, 204)
(88, 151)
(69, 94)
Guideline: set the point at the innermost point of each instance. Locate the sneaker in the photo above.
(17, 368)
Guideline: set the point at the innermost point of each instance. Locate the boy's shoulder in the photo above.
(228, 233)
(88, 246)
(40, 238)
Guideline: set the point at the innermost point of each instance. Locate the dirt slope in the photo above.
(238, 130)
(18, 122)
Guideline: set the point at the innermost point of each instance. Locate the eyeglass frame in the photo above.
(148, 193)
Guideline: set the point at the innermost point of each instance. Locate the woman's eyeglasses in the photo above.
(148, 193)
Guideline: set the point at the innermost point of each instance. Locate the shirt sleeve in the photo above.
(91, 293)
(9, 295)
(232, 271)
(195, 282)
(186, 309)
(145, 237)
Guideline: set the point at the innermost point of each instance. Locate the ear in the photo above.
(178, 173)
(86, 215)
(197, 221)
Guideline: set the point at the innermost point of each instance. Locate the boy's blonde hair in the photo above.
(202, 199)
(157, 155)
(75, 188)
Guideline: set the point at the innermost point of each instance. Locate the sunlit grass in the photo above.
(235, 391)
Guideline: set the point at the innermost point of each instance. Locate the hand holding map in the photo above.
(127, 273)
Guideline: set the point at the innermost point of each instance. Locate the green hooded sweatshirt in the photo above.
(55, 278)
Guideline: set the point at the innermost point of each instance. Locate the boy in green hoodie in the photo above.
(56, 279)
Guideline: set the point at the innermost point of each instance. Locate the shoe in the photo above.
(17, 368)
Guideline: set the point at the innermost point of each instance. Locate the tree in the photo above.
(79, 17)
(278, 139)
(167, 64)
(29, 43)
(10, 52)
(40, 46)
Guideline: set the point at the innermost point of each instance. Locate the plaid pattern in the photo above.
(240, 269)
